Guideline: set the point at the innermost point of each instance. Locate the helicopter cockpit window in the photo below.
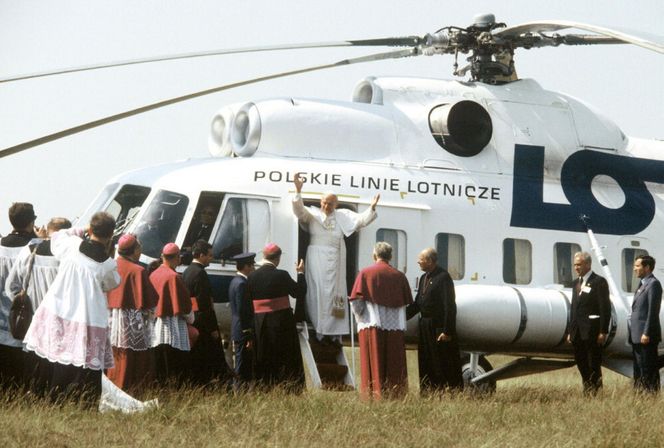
(101, 199)
(126, 204)
(244, 226)
(451, 250)
(517, 261)
(563, 263)
(629, 279)
(161, 222)
(205, 216)
(396, 239)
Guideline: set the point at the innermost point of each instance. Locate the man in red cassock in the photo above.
(132, 305)
(171, 333)
(379, 299)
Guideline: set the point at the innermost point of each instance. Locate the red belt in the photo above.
(270, 305)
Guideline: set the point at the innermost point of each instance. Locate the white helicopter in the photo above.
(495, 172)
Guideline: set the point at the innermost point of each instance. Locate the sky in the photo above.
(61, 178)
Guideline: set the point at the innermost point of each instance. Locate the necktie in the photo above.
(578, 285)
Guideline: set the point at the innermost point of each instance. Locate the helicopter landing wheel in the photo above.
(483, 366)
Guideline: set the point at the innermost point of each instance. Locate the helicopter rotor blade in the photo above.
(408, 41)
(116, 117)
(650, 42)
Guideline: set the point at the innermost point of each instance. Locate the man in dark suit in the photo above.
(644, 328)
(438, 349)
(242, 320)
(278, 358)
(208, 363)
(589, 321)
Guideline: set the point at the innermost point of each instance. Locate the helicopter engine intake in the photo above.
(219, 140)
(462, 128)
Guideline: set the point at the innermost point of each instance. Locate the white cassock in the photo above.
(71, 325)
(326, 262)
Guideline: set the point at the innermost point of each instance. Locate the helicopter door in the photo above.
(244, 226)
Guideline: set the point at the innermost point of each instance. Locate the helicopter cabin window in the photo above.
(563, 263)
(205, 217)
(629, 279)
(244, 226)
(161, 221)
(517, 261)
(451, 250)
(396, 239)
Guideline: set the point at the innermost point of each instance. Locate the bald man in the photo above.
(437, 349)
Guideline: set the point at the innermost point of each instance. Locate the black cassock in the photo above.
(278, 358)
(439, 362)
(208, 362)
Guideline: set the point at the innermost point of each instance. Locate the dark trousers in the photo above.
(208, 361)
(588, 357)
(11, 368)
(244, 364)
(646, 371)
(75, 383)
(38, 373)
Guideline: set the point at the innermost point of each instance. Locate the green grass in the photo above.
(541, 410)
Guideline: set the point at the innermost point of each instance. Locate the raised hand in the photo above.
(374, 202)
(298, 181)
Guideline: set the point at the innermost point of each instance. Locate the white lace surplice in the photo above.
(171, 330)
(130, 328)
(71, 325)
(383, 317)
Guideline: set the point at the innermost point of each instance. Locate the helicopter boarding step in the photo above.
(326, 363)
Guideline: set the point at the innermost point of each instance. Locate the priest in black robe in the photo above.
(278, 357)
(438, 354)
(208, 363)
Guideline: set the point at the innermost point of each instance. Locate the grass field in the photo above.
(542, 410)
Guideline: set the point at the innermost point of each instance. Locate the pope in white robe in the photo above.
(326, 258)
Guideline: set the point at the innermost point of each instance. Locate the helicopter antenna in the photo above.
(599, 253)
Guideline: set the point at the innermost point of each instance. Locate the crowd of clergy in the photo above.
(96, 310)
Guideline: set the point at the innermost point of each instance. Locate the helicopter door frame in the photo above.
(302, 240)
